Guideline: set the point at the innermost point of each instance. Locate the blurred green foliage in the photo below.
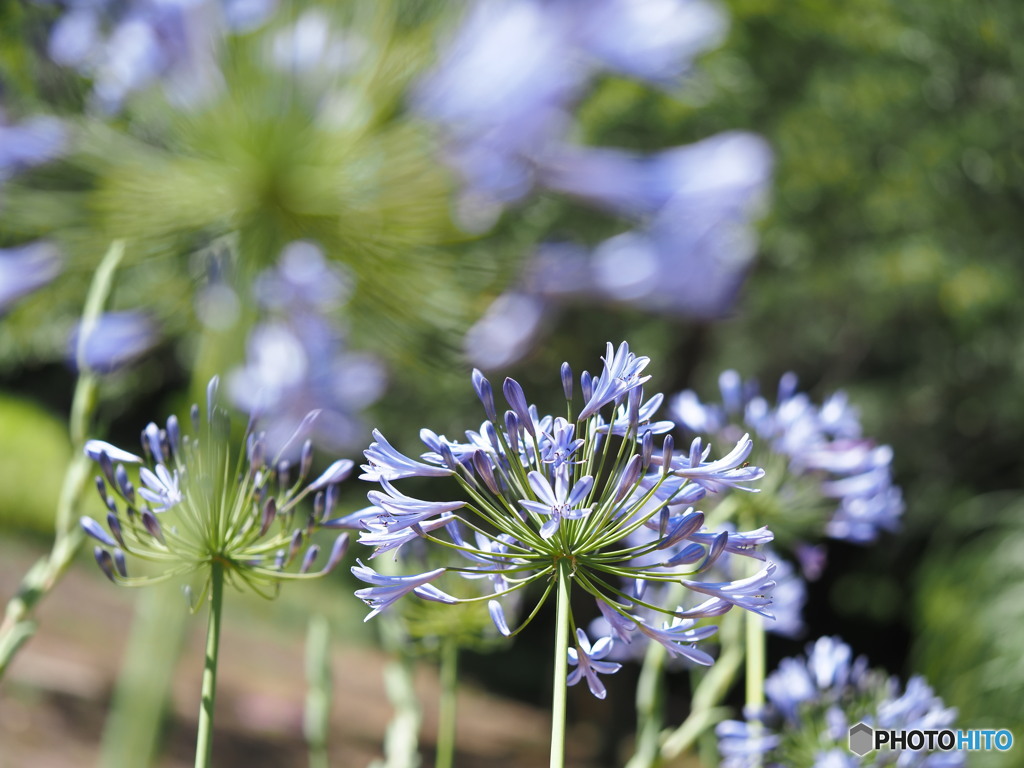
(267, 161)
(34, 452)
(970, 602)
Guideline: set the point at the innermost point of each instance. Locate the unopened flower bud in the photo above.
(309, 559)
(105, 562)
(153, 525)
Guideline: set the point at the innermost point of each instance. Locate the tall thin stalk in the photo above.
(756, 648)
(135, 723)
(561, 665)
(204, 739)
(446, 715)
(317, 721)
(705, 705)
(17, 626)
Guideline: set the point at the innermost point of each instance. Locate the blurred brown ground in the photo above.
(54, 701)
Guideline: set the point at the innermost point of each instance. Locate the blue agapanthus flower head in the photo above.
(814, 699)
(830, 477)
(187, 501)
(595, 490)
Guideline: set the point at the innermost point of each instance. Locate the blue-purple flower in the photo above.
(589, 664)
(31, 142)
(387, 589)
(559, 502)
(539, 493)
(504, 88)
(688, 252)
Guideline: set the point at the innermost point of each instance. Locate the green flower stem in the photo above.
(650, 697)
(446, 714)
(755, 670)
(17, 626)
(711, 690)
(756, 651)
(401, 740)
(561, 665)
(317, 720)
(755, 660)
(204, 740)
(135, 724)
(650, 707)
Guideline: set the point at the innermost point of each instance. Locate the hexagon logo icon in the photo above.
(861, 739)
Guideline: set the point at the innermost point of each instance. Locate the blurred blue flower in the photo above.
(832, 472)
(504, 88)
(297, 359)
(126, 47)
(506, 331)
(501, 93)
(688, 254)
(654, 40)
(25, 269)
(812, 702)
(116, 339)
(788, 599)
(31, 142)
(695, 239)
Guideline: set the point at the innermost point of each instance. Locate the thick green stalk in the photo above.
(755, 661)
(756, 651)
(561, 665)
(17, 626)
(204, 740)
(446, 713)
(650, 698)
(705, 706)
(317, 720)
(401, 740)
(135, 724)
(650, 708)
